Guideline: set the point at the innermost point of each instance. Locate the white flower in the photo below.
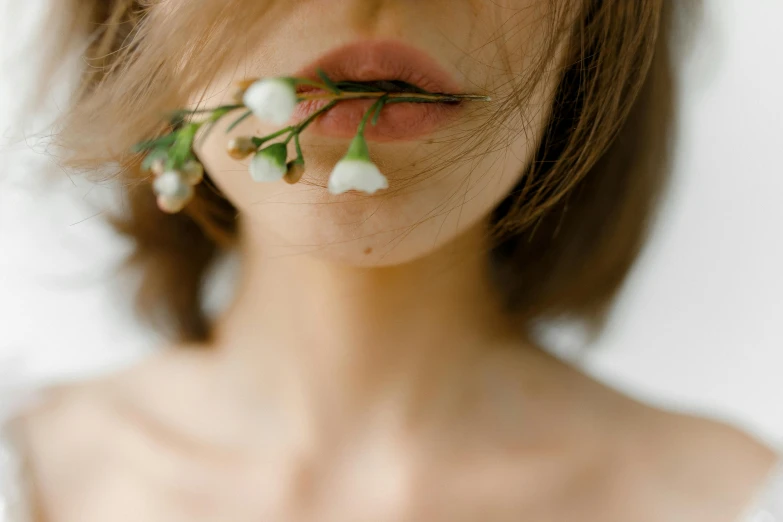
(172, 184)
(356, 172)
(271, 99)
(269, 164)
(356, 175)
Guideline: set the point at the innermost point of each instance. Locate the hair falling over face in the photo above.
(564, 237)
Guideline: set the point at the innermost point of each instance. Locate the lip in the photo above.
(380, 60)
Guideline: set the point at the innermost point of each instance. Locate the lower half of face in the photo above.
(447, 166)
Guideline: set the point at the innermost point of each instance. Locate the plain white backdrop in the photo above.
(698, 327)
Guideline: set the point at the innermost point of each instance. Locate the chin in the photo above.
(351, 229)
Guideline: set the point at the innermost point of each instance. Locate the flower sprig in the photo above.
(176, 169)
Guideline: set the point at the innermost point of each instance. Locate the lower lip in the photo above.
(397, 121)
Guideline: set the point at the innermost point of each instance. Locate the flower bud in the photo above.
(193, 172)
(158, 166)
(240, 148)
(243, 84)
(238, 93)
(268, 164)
(294, 172)
(241, 87)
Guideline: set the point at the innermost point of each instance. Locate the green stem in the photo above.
(220, 112)
(378, 105)
(413, 99)
(182, 146)
(214, 117)
(299, 156)
(278, 133)
(303, 125)
(425, 98)
(260, 141)
(222, 109)
(239, 120)
(179, 142)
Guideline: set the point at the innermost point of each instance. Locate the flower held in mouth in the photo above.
(172, 160)
(271, 99)
(356, 172)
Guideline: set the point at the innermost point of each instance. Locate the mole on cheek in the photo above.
(368, 250)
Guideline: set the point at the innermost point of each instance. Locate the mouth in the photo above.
(392, 67)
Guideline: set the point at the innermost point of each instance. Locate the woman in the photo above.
(376, 361)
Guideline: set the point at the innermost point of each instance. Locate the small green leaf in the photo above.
(381, 102)
(177, 119)
(158, 153)
(181, 150)
(328, 81)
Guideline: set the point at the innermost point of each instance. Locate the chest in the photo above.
(107, 471)
(144, 483)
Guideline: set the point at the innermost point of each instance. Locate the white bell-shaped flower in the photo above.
(268, 164)
(272, 100)
(355, 171)
(172, 184)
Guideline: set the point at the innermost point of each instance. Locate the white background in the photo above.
(699, 326)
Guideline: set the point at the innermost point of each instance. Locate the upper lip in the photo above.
(365, 61)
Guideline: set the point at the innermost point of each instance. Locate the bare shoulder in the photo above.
(708, 468)
(65, 441)
(87, 449)
(679, 466)
(88, 416)
(72, 417)
(594, 453)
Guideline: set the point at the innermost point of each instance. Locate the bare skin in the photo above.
(435, 412)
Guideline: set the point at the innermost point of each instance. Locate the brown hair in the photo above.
(566, 235)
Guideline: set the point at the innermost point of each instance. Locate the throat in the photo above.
(346, 337)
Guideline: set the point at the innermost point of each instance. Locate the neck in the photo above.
(336, 339)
